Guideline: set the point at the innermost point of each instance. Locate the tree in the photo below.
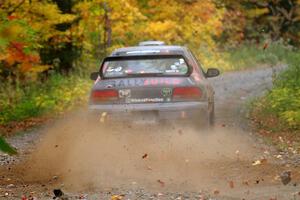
(27, 27)
(276, 18)
(194, 23)
(106, 25)
(62, 48)
(280, 18)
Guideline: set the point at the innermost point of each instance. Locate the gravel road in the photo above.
(152, 162)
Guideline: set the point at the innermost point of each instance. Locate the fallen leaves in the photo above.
(260, 162)
(145, 156)
(117, 197)
(162, 184)
(83, 197)
(257, 181)
(231, 184)
(15, 127)
(216, 192)
(30, 197)
(266, 45)
(257, 162)
(245, 183)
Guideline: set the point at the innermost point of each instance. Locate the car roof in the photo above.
(152, 43)
(150, 50)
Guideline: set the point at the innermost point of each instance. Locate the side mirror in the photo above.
(212, 72)
(94, 76)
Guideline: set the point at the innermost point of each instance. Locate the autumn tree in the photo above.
(194, 23)
(280, 18)
(106, 25)
(26, 27)
(234, 23)
(62, 48)
(276, 18)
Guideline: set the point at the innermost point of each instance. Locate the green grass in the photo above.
(250, 55)
(6, 148)
(283, 101)
(54, 96)
(277, 113)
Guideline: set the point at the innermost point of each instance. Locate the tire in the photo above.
(204, 125)
(211, 114)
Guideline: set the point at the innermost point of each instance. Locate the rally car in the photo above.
(152, 82)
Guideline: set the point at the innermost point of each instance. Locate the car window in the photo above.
(143, 66)
(201, 70)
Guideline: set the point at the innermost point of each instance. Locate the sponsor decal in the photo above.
(166, 92)
(164, 81)
(125, 93)
(115, 69)
(172, 71)
(147, 100)
(141, 82)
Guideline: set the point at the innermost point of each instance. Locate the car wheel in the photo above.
(207, 123)
(211, 114)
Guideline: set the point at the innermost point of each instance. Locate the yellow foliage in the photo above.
(167, 30)
(257, 12)
(105, 25)
(25, 27)
(191, 24)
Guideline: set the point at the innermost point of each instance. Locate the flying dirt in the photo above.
(150, 161)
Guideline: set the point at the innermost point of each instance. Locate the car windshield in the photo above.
(161, 66)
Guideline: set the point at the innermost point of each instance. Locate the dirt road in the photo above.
(152, 162)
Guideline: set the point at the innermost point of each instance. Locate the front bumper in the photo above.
(176, 110)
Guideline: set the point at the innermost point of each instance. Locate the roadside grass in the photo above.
(6, 148)
(276, 115)
(27, 105)
(249, 55)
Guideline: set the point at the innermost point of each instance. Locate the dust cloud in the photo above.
(121, 155)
